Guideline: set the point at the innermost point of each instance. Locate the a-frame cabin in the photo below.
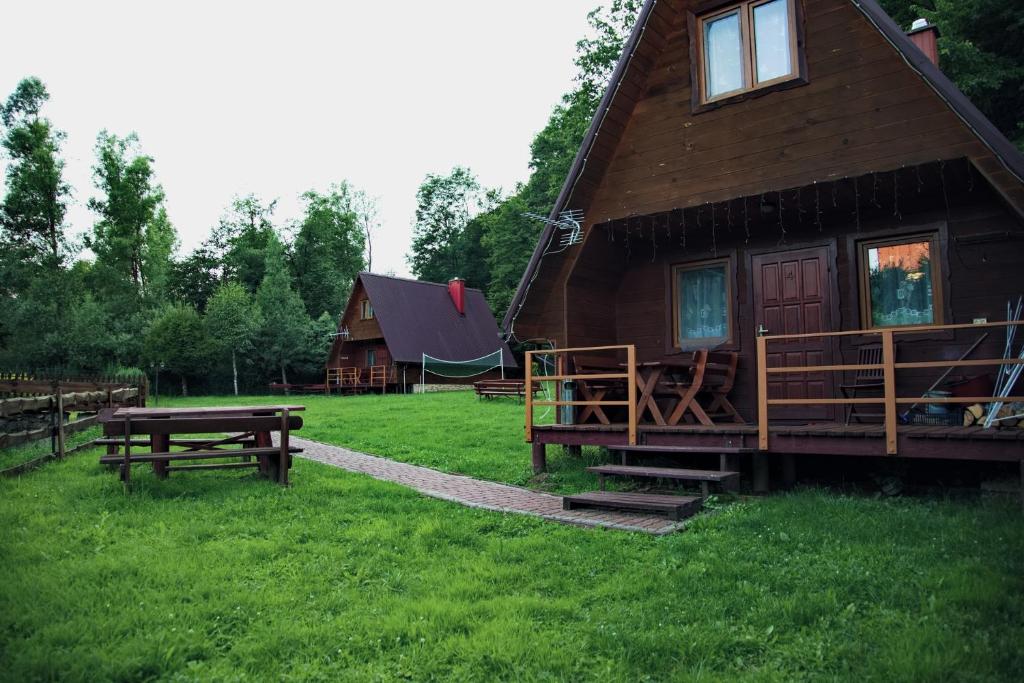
(389, 323)
(796, 184)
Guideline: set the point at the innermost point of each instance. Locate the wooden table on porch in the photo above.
(692, 375)
(650, 376)
(252, 427)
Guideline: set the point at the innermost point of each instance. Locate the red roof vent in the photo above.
(457, 290)
(926, 37)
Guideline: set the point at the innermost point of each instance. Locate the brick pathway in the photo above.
(480, 494)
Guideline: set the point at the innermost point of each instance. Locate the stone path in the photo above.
(475, 493)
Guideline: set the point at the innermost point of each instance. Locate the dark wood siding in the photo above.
(863, 110)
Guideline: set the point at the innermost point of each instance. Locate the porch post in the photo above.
(889, 372)
(528, 388)
(540, 457)
(762, 393)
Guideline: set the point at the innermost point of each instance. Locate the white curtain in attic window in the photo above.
(723, 56)
(771, 40)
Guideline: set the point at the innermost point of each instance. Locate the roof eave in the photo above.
(578, 164)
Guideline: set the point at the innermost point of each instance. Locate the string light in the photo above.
(856, 202)
(896, 195)
(654, 242)
(746, 221)
(817, 205)
(714, 238)
(782, 224)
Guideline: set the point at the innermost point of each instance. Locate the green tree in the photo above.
(194, 279)
(34, 249)
(981, 49)
(445, 206)
(127, 212)
(241, 240)
(232, 320)
(328, 249)
(158, 257)
(283, 336)
(177, 341)
(33, 210)
(508, 237)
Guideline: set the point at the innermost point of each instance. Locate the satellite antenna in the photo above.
(568, 222)
(343, 333)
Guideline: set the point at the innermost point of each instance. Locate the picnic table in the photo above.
(249, 437)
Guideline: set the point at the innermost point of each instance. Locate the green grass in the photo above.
(218, 576)
(11, 457)
(453, 432)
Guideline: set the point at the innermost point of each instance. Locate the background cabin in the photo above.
(759, 176)
(389, 324)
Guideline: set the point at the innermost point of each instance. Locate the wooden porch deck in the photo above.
(825, 438)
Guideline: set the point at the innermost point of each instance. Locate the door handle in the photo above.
(762, 330)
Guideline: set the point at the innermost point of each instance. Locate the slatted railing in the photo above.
(888, 366)
(628, 374)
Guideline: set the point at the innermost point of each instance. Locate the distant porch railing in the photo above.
(628, 373)
(888, 366)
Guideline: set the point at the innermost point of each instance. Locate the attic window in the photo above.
(365, 310)
(746, 46)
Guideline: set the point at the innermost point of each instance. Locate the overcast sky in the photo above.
(277, 98)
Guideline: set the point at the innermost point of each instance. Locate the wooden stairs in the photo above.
(675, 507)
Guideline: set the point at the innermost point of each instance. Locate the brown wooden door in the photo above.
(792, 295)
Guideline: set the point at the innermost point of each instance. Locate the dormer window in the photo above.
(744, 47)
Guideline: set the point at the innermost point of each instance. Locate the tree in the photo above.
(981, 48)
(130, 206)
(283, 334)
(445, 206)
(177, 341)
(240, 241)
(328, 249)
(158, 256)
(34, 249)
(232, 320)
(33, 210)
(195, 278)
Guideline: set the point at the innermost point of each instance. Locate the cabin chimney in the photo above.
(926, 37)
(457, 290)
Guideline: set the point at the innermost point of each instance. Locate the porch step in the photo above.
(703, 476)
(669, 450)
(675, 507)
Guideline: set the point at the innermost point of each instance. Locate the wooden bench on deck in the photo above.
(251, 439)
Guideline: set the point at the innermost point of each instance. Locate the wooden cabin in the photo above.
(796, 184)
(390, 323)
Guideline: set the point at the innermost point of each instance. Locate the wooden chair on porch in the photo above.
(595, 390)
(869, 380)
(719, 377)
(681, 384)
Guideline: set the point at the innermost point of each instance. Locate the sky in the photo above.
(275, 98)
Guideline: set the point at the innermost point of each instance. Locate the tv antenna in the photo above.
(569, 222)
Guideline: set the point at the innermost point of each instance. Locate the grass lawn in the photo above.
(218, 576)
(453, 432)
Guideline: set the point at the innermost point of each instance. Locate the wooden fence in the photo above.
(34, 407)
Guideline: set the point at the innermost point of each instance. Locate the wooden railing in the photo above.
(628, 374)
(888, 366)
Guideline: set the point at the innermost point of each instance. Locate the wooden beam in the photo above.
(762, 393)
(889, 374)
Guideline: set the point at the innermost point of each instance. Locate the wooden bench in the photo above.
(490, 388)
(251, 440)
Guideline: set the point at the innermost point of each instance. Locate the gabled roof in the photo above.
(627, 80)
(419, 317)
